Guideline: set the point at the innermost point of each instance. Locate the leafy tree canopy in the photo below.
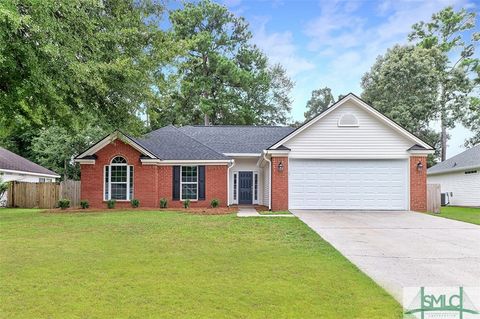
(321, 99)
(450, 32)
(220, 78)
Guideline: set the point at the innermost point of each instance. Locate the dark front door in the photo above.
(245, 187)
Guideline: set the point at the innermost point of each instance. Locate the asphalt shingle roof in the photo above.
(12, 161)
(170, 143)
(237, 138)
(466, 159)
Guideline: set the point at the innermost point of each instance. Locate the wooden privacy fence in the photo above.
(42, 195)
(71, 190)
(433, 198)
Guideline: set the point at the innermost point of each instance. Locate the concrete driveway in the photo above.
(402, 249)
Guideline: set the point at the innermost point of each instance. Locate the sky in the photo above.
(333, 43)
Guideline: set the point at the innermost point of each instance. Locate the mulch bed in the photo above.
(196, 210)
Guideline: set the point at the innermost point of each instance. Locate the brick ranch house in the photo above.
(348, 157)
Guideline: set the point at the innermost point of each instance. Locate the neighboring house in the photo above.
(459, 177)
(13, 167)
(348, 157)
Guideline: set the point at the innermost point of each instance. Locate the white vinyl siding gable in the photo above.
(465, 187)
(370, 139)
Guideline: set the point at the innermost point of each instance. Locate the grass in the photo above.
(464, 214)
(148, 264)
(280, 212)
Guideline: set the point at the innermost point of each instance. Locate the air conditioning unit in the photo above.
(445, 199)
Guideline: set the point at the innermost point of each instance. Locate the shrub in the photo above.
(84, 204)
(186, 203)
(163, 203)
(64, 203)
(214, 203)
(135, 203)
(111, 203)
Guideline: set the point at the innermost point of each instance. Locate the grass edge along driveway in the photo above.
(175, 265)
(465, 214)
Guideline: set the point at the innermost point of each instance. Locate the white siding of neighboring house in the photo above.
(371, 139)
(465, 187)
(8, 177)
(247, 164)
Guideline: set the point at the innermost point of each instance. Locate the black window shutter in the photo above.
(201, 182)
(176, 183)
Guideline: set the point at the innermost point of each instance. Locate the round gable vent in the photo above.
(348, 119)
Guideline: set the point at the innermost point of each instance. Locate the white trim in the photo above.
(278, 152)
(190, 183)
(28, 173)
(109, 183)
(421, 152)
(110, 138)
(150, 161)
(103, 195)
(351, 97)
(348, 125)
(243, 154)
(84, 161)
(255, 193)
(194, 162)
(452, 170)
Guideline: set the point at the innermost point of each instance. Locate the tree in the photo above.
(62, 59)
(3, 189)
(321, 99)
(446, 32)
(403, 85)
(220, 78)
(55, 147)
(473, 122)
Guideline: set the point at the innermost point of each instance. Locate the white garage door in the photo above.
(348, 184)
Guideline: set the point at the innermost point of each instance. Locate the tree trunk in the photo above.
(443, 134)
(206, 119)
(65, 170)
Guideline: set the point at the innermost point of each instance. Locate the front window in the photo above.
(189, 183)
(118, 180)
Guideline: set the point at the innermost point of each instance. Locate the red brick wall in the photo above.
(279, 184)
(151, 182)
(418, 184)
(145, 182)
(215, 186)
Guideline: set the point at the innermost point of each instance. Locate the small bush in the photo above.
(64, 203)
(135, 203)
(214, 203)
(163, 203)
(186, 203)
(111, 203)
(84, 204)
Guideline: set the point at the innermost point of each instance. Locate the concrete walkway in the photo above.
(403, 249)
(249, 211)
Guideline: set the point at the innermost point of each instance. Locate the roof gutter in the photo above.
(453, 170)
(28, 173)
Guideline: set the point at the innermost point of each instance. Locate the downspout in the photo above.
(232, 162)
(269, 180)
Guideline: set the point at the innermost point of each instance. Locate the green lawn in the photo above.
(147, 264)
(465, 214)
(278, 212)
